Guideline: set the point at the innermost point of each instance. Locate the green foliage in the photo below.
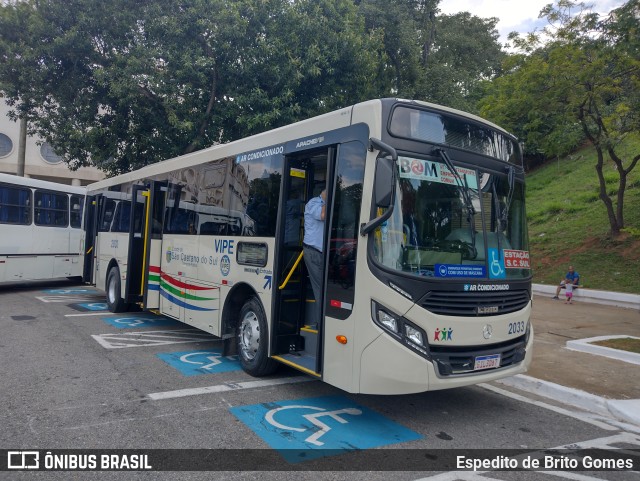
(632, 231)
(439, 58)
(568, 225)
(465, 53)
(582, 84)
(124, 84)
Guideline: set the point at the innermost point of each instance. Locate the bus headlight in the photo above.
(401, 329)
(413, 335)
(388, 321)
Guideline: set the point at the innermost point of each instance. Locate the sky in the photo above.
(515, 15)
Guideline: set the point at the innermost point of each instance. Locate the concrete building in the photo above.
(41, 161)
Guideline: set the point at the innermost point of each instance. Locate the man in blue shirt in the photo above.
(313, 246)
(572, 277)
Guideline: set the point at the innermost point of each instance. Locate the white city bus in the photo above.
(40, 229)
(427, 282)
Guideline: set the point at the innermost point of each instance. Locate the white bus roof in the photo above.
(41, 184)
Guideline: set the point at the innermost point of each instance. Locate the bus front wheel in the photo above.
(253, 338)
(114, 298)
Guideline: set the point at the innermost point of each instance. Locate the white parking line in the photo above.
(156, 396)
(104, 313)
(152, 338)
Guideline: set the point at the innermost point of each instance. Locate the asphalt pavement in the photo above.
(598, 383)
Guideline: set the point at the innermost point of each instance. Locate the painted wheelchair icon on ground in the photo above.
(130, 322)
(306, 429)
(194, 363)
(322, 428)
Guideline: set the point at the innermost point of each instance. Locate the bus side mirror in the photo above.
(383, 186)
(384, 183)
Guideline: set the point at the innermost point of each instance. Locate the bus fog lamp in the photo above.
(388, 321)
(413, 335)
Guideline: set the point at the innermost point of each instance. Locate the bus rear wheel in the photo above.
(114, 298)
(253, 338)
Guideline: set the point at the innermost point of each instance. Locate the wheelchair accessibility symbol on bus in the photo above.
(194, 363)
(496, 265)
(306, 429)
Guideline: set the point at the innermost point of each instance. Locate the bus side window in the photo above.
(77, 204)
(107, 216)
(121, 217)
(15, 205)
(52, 209)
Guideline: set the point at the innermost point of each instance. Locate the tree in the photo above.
(124, 84)
(465, 52)
(439, 58)
(582, 83)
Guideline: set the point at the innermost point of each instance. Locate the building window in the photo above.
(6, 145)
(48, 154)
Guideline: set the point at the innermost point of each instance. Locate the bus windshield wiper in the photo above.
(466, 197)
(504, 215)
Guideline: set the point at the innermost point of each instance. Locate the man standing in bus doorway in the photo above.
(312, 244)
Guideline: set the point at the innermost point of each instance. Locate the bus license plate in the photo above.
(487, 362)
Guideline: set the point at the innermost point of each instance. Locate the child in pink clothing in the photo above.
(568, 288)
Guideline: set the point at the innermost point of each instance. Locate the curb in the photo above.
(622, 410)
(618, 299)
(584, 345)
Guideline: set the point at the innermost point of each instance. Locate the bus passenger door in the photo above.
(138, 233)
(98, 276)
(90, 233)
(153, 248)
(297, 339)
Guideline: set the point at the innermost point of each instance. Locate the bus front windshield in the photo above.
(467, 226)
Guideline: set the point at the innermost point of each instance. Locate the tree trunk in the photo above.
(613, 221)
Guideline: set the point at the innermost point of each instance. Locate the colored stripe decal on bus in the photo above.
(177, 292)
(184, 285)
(180, 303)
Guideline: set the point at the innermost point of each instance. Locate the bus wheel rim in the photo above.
(250, 335)
(112, 290)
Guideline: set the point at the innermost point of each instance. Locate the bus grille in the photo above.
(475, 304)
(460, 360)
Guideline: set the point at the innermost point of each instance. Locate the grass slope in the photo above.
(568, 223)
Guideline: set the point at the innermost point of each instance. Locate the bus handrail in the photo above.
(295, 264)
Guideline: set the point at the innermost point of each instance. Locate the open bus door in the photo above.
(297, 340)
(143, 256)
(138, 233)
(91, 232)
(153, 247)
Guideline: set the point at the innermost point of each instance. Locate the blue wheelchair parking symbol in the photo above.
(94, 306)
(194, 363)
(306, 429)
(129, 322)
(69, 291)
